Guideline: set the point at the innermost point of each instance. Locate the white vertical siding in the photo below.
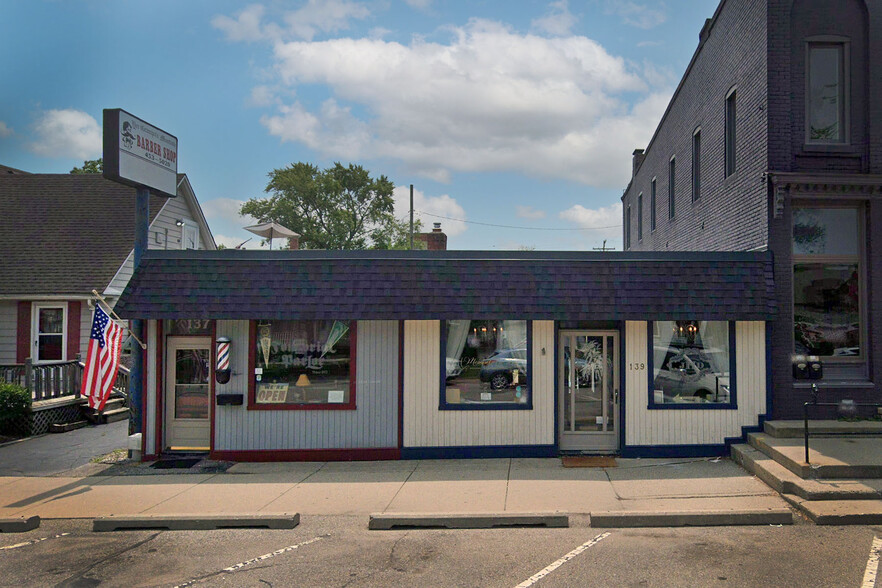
(149, 423)
(694, 427)
(427, 426)
(374, 424)
(8, 330)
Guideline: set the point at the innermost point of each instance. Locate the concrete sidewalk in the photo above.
(361, 488)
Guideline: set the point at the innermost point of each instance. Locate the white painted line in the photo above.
(26, 543)
(542, 573)
(241, 565)
(873, 564)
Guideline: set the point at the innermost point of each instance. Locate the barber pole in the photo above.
(222, 373)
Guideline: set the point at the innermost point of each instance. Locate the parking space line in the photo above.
(253, 560)
(32, 542)
(873, 564)
(544, 572)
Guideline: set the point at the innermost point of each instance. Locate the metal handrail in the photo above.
(814, 402)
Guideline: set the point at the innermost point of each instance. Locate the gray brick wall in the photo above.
(731, 213)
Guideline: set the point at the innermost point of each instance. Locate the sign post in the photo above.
(145, 157)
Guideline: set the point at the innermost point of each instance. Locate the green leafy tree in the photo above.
(90, 166)
(334, 208)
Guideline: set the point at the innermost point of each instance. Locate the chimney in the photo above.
(639, 156)
(705, 30)
(294, 242)
(434, 241)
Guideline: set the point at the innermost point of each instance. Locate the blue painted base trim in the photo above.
(479, 452)
(745, 431)
(674, 450)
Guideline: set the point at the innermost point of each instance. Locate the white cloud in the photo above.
(245, 27)
(529, 212)
(558, 22)
(638, 15)
(314, 17)
(5, 131)
(488, 100)
(606, 220)
(226, 210)
(67, 133)
(262, 96)
(442, 206)
(419, 4)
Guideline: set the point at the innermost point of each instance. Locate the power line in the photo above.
(461, 220)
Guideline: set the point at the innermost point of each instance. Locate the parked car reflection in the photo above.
(688, 375)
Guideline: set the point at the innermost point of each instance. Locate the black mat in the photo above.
(176, 464)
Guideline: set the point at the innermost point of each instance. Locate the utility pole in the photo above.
(604, 247)
(411, 217)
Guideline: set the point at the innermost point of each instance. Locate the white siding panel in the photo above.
(694, 427)
(8, 330)
(425, 425)
(374, 424)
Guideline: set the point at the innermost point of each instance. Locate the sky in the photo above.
(514, 120)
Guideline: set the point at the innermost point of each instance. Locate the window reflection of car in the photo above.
(688, 373)
(498, 368)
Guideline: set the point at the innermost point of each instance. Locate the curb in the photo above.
(613, 519)
(194, 523)
(19, 525)
(387, 522)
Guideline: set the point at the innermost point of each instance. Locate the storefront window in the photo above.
(485, 364)
(692, 363)
(827, 282)
(304, 364)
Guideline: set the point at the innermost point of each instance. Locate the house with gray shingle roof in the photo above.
(64, 235)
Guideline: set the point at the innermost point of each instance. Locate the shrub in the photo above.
(15, 406)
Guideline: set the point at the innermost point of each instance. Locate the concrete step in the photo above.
(839, 458)
(782, 480)
(117, 414)
(839, 512)
(65, 427)
(795, 429)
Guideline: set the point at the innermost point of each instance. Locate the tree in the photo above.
(90, 166)
(335, 208)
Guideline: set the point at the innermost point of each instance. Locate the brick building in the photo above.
(773, 141)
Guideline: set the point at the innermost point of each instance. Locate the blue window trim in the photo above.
(442, 397)
(733, 385)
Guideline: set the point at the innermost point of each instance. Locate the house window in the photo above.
(827, 282)
(696, 165)
(730, 132)
(692, 364)
(640, 216)
(826, 93)
(652, 205)
(672, 189)
(628, 227)
(485, 364)
(189, 237)
(50, 332)
(306, 364)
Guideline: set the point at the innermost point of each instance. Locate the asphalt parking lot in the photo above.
(340, 551)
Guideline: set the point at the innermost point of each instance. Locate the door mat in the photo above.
(176, 464)
(588, 461)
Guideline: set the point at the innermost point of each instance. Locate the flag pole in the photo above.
(116, 316)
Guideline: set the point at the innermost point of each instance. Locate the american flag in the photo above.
(102, 359)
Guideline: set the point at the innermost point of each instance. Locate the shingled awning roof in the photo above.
(64, 233)
(450, 285)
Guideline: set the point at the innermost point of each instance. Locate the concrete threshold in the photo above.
(387, 522)
(195, 522)
(19, 525)
(628, 519)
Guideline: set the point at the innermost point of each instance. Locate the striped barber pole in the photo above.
(223, 354)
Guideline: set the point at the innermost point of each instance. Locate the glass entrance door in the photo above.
(589, 390)
(188, 394)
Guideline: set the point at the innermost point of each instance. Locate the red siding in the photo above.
(23, 333)
(73, 329)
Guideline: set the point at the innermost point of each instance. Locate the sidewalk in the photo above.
(361, 488)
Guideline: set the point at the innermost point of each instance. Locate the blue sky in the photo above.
(522, 114)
